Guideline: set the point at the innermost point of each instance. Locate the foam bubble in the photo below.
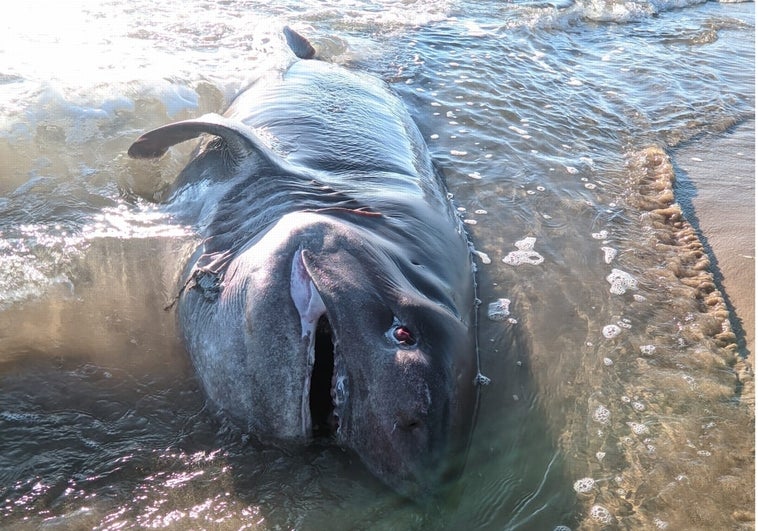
(637, 428)
(483, 257)
(525, 254)
(611, 331)
(621, 281)
(601, 514)
(638, 406)
(600, 235)
(607, 362)
(660, 524)
(647, 350)
(601, 415)
(561, 528)
(584, 485)
(600, 456)
(609, 253)
(499, 310)
(475, 175)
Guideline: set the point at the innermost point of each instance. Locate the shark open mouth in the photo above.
(324, 420)
(324, 389)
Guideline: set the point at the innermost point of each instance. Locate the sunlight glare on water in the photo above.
(70, 42)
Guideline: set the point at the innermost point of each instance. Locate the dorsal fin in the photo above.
(299, 44)
(239, 139)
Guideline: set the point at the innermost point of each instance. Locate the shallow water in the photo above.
(617, 399)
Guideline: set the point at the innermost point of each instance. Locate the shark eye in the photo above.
(403, 336)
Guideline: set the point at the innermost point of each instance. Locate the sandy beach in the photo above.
(715, 185)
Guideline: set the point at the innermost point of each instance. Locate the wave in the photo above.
(630, 11)
(563, 14)
(665, 424)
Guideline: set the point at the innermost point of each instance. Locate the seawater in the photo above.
(618, 396)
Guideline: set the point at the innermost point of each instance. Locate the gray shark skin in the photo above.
(333, 294)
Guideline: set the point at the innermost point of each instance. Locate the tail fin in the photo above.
(299, 44)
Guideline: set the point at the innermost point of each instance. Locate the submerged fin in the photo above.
(299, 44)
(239, 139)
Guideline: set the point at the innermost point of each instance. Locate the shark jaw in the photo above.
(325, 386)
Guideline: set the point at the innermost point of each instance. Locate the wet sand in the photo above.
(715, 186)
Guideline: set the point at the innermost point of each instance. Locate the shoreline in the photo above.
(715, 187)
